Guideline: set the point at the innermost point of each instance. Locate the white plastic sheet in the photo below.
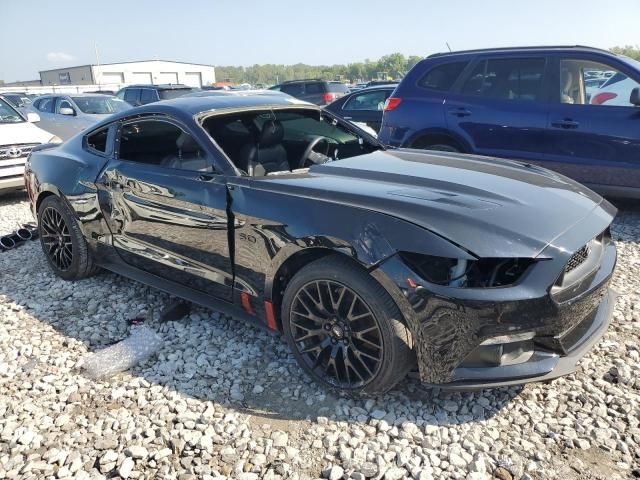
(137, 347)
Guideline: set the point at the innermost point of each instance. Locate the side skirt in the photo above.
(185, 293)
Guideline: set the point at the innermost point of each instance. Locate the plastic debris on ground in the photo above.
(136, 348)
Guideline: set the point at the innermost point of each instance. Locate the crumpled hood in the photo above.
(491, 207)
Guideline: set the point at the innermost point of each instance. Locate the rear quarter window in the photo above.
(442, 77)
(293, 89)
(312, 88)
(98, 141)
(173, 93)
(338, 87)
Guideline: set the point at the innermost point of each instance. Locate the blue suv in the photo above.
(575, 110)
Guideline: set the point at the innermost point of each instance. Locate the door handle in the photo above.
(460, 112)
(205, 178)
(347, 118)
(566, 123)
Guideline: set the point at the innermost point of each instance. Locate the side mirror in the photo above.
(634, 99)
(33, 117)
(67, 111)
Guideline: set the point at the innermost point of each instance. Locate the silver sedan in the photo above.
(66, 115)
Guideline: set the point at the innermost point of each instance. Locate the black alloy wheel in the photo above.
(344, 329)
(56, 239)
(336, 333)
(62, 241)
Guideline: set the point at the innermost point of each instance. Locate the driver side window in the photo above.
(370, 101)
(157, 142)
(45, 105)
(63, 103)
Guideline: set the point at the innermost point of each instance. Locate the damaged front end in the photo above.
(499, 321)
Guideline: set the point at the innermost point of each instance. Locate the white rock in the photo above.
(126, 467)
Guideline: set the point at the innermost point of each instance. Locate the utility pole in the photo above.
(95, 46)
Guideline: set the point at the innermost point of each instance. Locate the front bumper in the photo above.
(455, 329)
(542, 365)
(11, 183)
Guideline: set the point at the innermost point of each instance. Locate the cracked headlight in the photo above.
(462, 273)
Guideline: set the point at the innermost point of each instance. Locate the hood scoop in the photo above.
(445, 198)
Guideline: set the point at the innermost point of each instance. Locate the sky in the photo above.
(65, 32)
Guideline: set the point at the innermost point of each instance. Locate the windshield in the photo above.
(174, 93)
(17, 100)
(270, 141)
(101, 105)
(338, 87)
(8, 114)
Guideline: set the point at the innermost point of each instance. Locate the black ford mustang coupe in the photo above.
(371, 261)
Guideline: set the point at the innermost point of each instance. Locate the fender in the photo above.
(383, 232)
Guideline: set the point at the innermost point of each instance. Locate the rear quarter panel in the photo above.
(68, 172)
(421, 110)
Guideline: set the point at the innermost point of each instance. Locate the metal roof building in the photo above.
(118, 74)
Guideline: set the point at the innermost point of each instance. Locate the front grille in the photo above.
(20, 150)
(578, 258)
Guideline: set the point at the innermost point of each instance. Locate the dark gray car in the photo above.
(320, 92)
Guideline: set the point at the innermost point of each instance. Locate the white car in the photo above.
(615, 92)
(18, 136)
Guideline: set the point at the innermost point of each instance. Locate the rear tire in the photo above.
(344, 329)
(62, 241)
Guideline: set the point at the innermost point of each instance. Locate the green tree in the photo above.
(394, 65)
(628, 50)
(412, 60)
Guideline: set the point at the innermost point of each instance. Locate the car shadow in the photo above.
(212, 358)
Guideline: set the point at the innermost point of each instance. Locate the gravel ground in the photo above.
(223, 399)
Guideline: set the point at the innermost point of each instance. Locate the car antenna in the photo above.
(447, 44)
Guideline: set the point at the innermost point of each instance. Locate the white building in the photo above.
(120, 74)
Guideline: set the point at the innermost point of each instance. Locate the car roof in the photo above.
(161, 86)
(530, 49)
(379, 87)
(67, 94)
(190, 106)
(237, 93)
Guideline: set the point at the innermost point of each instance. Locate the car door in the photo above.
(314, 93)
(67, 125)
(500, 107)
(294, 89)
(148, 95)
(167, 207)
(594, 137)
(132, 96)
(365, 107)
(45, 107)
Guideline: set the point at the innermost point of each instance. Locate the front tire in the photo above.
(344, 329)
(62, 241)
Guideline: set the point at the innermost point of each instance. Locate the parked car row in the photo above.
(572, 109)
